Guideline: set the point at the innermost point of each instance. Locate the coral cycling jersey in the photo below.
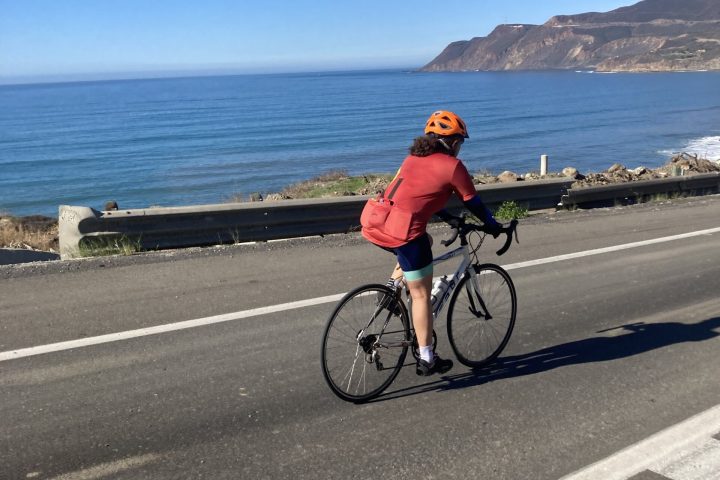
(422, 187)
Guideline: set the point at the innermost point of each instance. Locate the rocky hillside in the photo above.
(652, 35)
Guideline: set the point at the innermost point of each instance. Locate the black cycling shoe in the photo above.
(438, 365)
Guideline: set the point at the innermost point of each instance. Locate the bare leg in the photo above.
(422, 310)
(397, 272)
(421, 306)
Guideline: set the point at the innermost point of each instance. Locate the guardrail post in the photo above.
(69, 219)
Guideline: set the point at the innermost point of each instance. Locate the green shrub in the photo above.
(510, 210)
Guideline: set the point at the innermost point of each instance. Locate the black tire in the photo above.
(476, 339)
(350, 363)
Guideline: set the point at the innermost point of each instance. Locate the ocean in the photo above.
(186, 141)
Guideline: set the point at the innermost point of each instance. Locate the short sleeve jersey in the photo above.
(422, 187)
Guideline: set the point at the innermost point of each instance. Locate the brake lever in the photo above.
(456, 230)
(512, 228)
(452, 239)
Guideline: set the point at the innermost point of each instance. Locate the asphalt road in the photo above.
(607, 350)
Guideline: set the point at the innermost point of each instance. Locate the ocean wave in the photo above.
(704, 147)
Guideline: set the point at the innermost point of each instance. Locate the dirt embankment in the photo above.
(33, 233)
(340, 184)
(682, 164)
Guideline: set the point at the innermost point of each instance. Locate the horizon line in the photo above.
(49, 79)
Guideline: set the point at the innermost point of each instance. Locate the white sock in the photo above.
(426, 353)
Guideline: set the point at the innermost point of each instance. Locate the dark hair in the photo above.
(424, 146)
(429, 144)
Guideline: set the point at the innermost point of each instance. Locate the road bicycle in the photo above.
(368, 334)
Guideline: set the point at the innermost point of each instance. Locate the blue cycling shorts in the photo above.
(415, 257)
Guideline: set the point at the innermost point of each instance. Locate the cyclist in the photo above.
(397, 219)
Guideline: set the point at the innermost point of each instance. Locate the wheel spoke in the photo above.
(352, 330)
(477, 339)
(348, 375)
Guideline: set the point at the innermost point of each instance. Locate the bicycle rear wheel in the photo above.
(481, 315)
(365, 342)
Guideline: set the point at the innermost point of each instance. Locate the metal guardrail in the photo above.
(83, 228)
(641, 191)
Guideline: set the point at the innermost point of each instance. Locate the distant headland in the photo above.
(650, 36)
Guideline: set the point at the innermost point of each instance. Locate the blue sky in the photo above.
(85, 38)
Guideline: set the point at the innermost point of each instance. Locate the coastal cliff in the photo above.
(652, 35)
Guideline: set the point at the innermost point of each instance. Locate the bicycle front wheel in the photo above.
(481, 315)
(365, 342)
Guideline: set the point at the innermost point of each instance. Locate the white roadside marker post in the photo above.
(543, 164)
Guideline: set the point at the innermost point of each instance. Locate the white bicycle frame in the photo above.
(463, 267)
(463, 251)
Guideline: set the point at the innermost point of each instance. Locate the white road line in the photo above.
(171, 327)
(654, 452)
(697, 462)
(110, 468)
(614, 248)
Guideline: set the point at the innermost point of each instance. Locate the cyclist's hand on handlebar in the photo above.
(493, 228)
(509, 230)
(455, 222)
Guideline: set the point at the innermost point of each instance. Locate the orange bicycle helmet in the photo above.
(446, 123)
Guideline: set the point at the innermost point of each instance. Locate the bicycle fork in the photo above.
(477, 305)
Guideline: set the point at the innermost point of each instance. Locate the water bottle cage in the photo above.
(440, 291)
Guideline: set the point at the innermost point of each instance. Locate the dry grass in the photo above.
(336, 183)
(319, 186)
(34, 232)
(331, 176)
